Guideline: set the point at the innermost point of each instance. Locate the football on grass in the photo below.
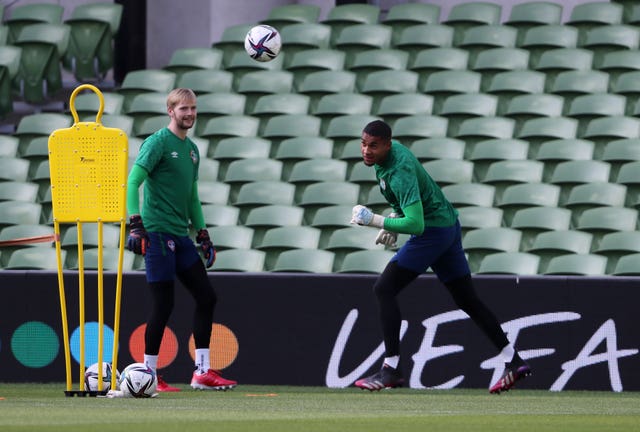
(91, 377)
(263, 43)
(138, 381)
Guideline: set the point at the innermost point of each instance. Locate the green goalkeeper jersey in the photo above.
(172, 165)
(403, 181)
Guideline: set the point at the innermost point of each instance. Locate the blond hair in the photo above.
(178, 95)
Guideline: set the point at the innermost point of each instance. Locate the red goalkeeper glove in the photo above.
(208, 251)
(138, 239)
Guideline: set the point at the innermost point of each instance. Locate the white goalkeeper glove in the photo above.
(362, 215)
(387, 238)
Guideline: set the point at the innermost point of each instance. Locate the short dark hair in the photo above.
(378, 128)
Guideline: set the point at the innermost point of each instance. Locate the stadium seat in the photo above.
(9, 146)
(511, 84)
(93, 28)
(493, 150)
(207, 81)
(543, 38)
(19, 213)
(539, 130)
(251, 170)
(227, 126)
(34, 259)
(427, 149)
(473, 217)
(271, 105)
(561, 150)
(309, 171)
(282, 16)
(532, 221)
(241, 64)
(144, 81)
(471, 14)
(213, 192)
(478, 129)
(529, 106)
(218, 104)
(9, 67)
(504, 173)
(588, 107)
(292, 150)
(285, 126)
(481, 242)
(412, 128)
(524, 16)
(259, 83)
(429, 61)
(606, 129)
(356, 38)
(304, 261)
(571, 173)
(12, 190)
(28, 14)
(364, 176)
(262, 218)
(110, 258)
(577, 265)
(338, 104)
(217, 214)
(619, 152)
(387, 82)
(457, 108)
(597, 194)
(449, 171)
(395, 106)
(365, 261)
(13, 232)
(208, 169)
(231, 237)
(616, 64)
(420, 37)
(605, 39)
(588, 16)
(304, 37)
(550, 244)
(42, 48)
(350, 239)
(571, 84)
(470, 194)
(260, 193)
(305, 62)
(556, 61)
(402, 16)
(188, 59)
(279, 239)
(603, 220)
(239, 260)
(322, 194)
(374, 199)
(232, 41)
(318, 84)
(228, 150)
(345, 127)
(525, 195)
(628, 265)
(14, 169)
(329, 219)
(88, 103)
(146, 105)
(629, 176)
(515, 263)
(616, 245)
(484, 37)
(496, 60)
(367, 61)
(341, 16)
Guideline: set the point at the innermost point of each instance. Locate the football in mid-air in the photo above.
(263, 43)
(91, 377)
(138, 381)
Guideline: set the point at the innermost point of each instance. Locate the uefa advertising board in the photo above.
(321, 330)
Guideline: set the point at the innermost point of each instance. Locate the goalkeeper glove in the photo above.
(208, 251)
(362, 215)
(387, 238)
(138, 239)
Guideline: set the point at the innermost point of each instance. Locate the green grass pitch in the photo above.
(43, 407)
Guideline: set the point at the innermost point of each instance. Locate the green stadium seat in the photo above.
(587, 16)
(603, 220)
(543, 38)
(539, 130)
(188, 59)
(19, 213)
(13, 232)
(147, 105)
(93, 28)
(356, 38)
(409, 129)
(628, 265)
(420, 37)
(457, 108)
(34, 259)
(368, 61)
(227, 126)
(373, 198)
(571, 84)
(305, 62)
(271, 105)
(510, 84)
(619, 152)
(395, 106)
(514, 263)
(493, 150)
(364, 176)
(532, 221)
(304, 37)
(616, 64)
(304, 261)
(251, 170)
(449, 171)
(206, 81)
(322, 194)
(605, 39)
(590, 106)
(402, 16)
(231, 237)
(470, 14)
(496, 60)
(550, 244)
(561, 150)
(145, 81)
(365, 261)
(261, 193)
(218, 104)
(12, 190)
(556, 61)
(282, 16)
(263, 218)
(42, 48)
(606, 129)
(577, 265)
(504, 173)
(28, 14)
(14, 169)
(345, 127)
(350, 239)
(481, 242)
(208, 169)
(259, 83)
(470, 194)
(88, 103)
(239, 260)
(126, 123)
(109, 259)
(383, 83)
(338, 104)
(474, 217)
(441, 85)
(9, 146)
(213, 192)
(524, 16)
(525, 195)
(232, 41)
(219, 214)
(571, 173)
(429, 61)
(529, 106)
(309, 171)
(341, 16)
(427, 149)
(597, 194)
(241, 64)
(628, 175)
(478, 129)
(285, 126)
(616, 245)
(484, 37)
(279, 239)
(292, 150)
(9, 67)
(228, 150)
(329, 219)
(318, 84)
